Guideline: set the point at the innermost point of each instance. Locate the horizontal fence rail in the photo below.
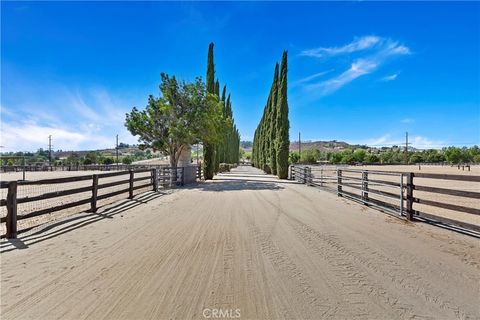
(396, 193)
(153, 178)
(74, 167)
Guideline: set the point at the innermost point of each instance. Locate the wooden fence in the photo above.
(160, 177)
(87, 167)
(395, 192)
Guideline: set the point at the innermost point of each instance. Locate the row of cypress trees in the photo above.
(228, 149)
(271, 140)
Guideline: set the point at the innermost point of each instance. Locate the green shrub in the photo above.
(108, 161)
(127, 160)
(224, 167)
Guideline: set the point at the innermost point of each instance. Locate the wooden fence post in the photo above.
(155, 179)
(12, 210)
(130, 189)
(365, 187)
(410, 187)
(94, 193)
(305, 175)
(339, 182)
(321, 177)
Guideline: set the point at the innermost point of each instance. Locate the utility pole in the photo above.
(299, 148)
(406, 147)
(116, 150)
(50, 149)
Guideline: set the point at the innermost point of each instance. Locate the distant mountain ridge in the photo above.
(320, 145)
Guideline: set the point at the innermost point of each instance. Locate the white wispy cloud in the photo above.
(390, 77)
(4, 111)
(358, 44)
(309, 78)
(407, 120)
(419, 142)
(357, 69)
(83, 119)
(382, 50)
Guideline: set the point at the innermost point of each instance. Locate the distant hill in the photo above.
(332, 145)
(122, 150)
(247, 145)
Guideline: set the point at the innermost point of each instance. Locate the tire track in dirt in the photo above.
(401, 275)
(349, 303)
(349, 267)
(352, 269)
(293, 276)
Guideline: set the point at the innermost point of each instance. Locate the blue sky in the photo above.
(361, 72)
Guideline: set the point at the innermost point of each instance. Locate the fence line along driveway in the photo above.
(447, 200)
(244, 242)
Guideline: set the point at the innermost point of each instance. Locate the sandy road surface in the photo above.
(271, 249)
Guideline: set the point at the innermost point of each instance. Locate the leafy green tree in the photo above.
(348, 158)
(310, 156)
(90, 158)
(416, 158)
(293, 157)
(242, 153)
(453, 155)
(371, 158)
(108, 161)
(127, 160)
(174, 120)
(73, 159)
(359, 155)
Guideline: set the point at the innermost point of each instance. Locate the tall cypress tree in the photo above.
(272, 122)
(217, 88)
(225, 150)
(228, 135)
(221, 149)
(210, 70)
(282, 142)
(208, 148)
(216, 165)
(224, 92)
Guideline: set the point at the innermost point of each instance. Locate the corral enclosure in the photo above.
(24, 191)
(326, 176)
(271, 248)
(43, 193)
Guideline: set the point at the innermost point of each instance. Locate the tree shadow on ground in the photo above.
(224, 183)
(234, 174)
(56, 228)
(267, 179)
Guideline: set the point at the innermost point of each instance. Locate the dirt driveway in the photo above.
(244, 246)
